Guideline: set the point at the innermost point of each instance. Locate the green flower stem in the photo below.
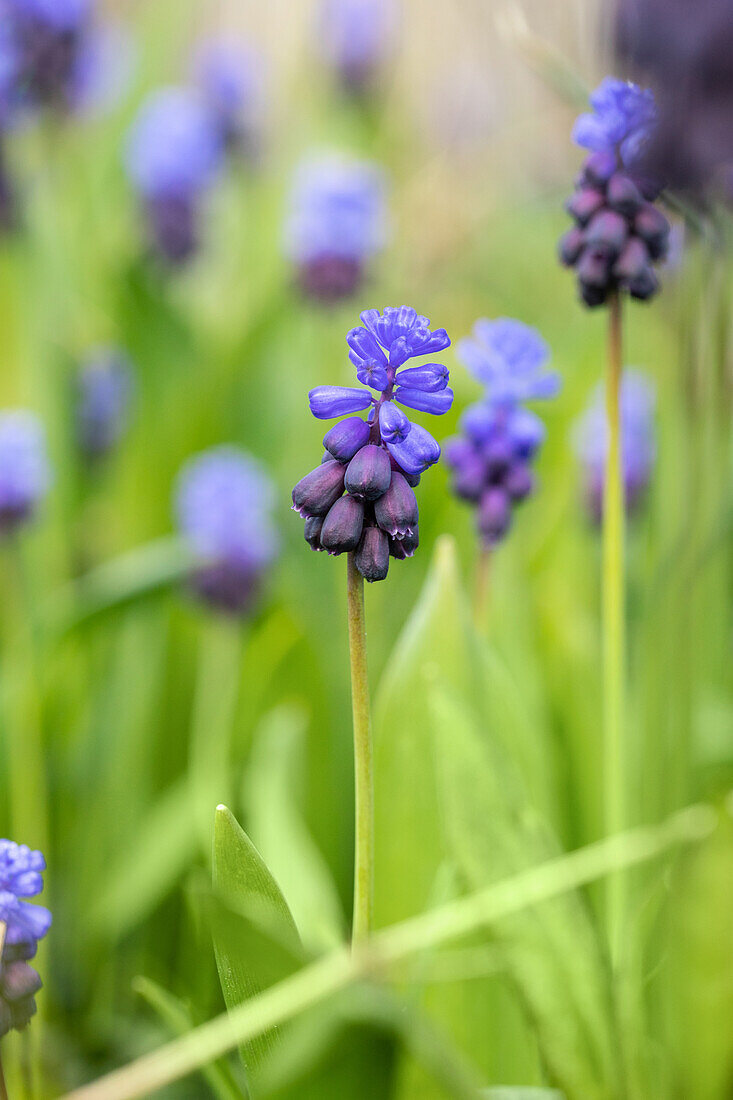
(363, 777)
(614, 671)
(481, 589)
(449, 922)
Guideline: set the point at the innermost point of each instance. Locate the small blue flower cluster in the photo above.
(22, 925)
(104, 390)
(360, 499)
(491, 460)
(335, 225)
(25, 474)
(619, 233)
(223, 503)
(638, 447)
(355, 37)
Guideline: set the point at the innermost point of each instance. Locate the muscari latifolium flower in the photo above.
(335, 225)
(355, 38)
(638, 445)
(25, 474)
(224, 504)
(24, 925)
(619, 234)
(361, 497)
(229, 77)
(104, 391)
(491, 460)
(174, 153)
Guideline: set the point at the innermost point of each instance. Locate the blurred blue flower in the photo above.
(229, 76)
(224, 502)
(22, 924)
(355, 37)
(509, 358)
(174, 152)
(638, 445)
(622, 119)
(378, 460)
(336, 223)
(25, 474)
(104, 390)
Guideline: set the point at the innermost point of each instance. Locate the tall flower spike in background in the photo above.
(25, 473)
(491, 460)
(105, 385)
(355, 38)
(336, 224)
(22, 925)
(360, 501)
(590, 438)
(618, 234)
(223, 504)
(174, 152)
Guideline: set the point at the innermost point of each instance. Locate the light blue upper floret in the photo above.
(622, 119)
(509, 358)
(385, 342)
(20, 877)
(223, 503)
(25, 474)
(175, 147)
(337, 208)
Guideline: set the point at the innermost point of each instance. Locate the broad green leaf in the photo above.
(552, 951)
(179, 1019)
(255, 938)
(276, 824)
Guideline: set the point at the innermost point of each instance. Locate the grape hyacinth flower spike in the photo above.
(491, 461)
(355, 37)
(590, 438)
(229, 78)
(25, 474)
(224, 503)
(22, 925)
(104, 390)
(336, 224)
(618, 235)
(360, 501)
(174, 152)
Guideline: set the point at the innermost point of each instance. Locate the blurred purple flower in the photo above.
(336, 223)
(24, 924)
(638, 448)
(25, 473)
(104, 390)
(509, 358)
(224, 502)
(355, 38)
(229, 76)
(622, 119)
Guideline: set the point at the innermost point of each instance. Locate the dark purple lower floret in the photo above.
(396, 511)
(413, 480)
(607, 232)
(12, 517)
(19, 983)
(329, 278)
(343, 525)
(494, 514)
(312, 532)
(369, 473)
(372, 555)
(406, 547)
(317, 491)
(347, 437)
(519, 482)
(571, 245)
(172, 227)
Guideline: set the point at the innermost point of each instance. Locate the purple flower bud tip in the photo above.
(599, 167)
(343, 525)
(406, 547)
(571, 245)
(396, 511)
(652, 226)
(607, 231)
(623, 195)
(633, 261)
(644, 286)
(372, 555)
(25, 473)
(319, 490)
(519, 483)
(312, 532)
(369, 473)
(18, 980)
(346, 438)
(584, 204)
(494, 515)
(594, 267)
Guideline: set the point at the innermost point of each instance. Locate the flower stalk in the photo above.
(614, 730)
(363, 762)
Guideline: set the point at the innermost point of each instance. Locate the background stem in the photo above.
(614, 732)
(481, 591)
(364, 780)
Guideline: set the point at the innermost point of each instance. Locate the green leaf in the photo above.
(512, 1092)
(282, 835)
(255, 938)
(179, 1019)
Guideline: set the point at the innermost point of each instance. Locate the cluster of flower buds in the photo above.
(638, 447)
(355, 37)
(25, 473)
(22, 925)
(619, 234)
(335, 225)
(360, 499)
(104, 389)
(492, 459)
(223, 503)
